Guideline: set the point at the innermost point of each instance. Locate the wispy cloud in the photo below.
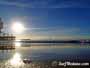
(53, 31)
(28, 4)
(58, 31)
(46, 3)
(69, 4)
(14, 4)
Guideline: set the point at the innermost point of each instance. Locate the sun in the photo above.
(17, 27)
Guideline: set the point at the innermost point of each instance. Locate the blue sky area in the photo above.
(48, 19)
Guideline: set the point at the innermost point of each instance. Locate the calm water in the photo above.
(42, 55)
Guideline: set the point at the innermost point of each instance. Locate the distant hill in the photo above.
(54, 41)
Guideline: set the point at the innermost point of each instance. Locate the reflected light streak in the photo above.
(16, 60)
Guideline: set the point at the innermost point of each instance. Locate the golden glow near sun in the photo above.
(17, 27)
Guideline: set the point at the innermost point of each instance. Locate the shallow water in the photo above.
(42, 55)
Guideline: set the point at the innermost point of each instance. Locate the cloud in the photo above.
(28, 4)
(46, 3)
(69, 4)
(53, 31)
(58, 31)
(14, 4)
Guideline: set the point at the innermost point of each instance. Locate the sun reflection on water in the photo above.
(16, 60)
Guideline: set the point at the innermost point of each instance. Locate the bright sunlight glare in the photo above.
(16, 60)
(17, 27)
(17, 44)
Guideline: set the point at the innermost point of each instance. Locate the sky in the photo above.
(47, 19)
